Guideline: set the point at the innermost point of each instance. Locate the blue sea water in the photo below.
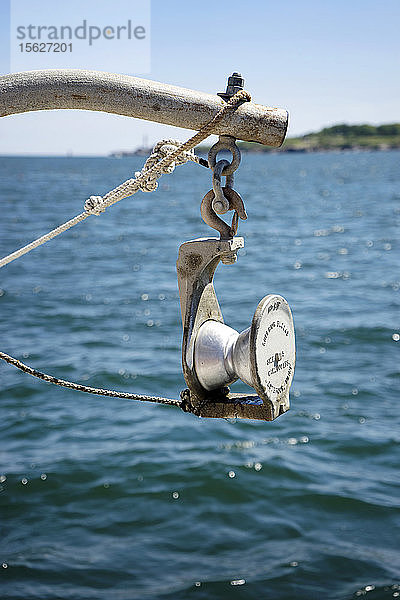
(103, 498)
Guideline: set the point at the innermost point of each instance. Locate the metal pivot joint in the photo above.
(220, 200)
(223, 168)
(215, 355)
(211, 218)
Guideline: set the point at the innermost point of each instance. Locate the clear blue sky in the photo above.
(325, 61)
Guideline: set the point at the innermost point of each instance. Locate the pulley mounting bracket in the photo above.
(196, 265)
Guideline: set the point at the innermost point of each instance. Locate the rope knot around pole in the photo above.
(95, 205)
(160, 151)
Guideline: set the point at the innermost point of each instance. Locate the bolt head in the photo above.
(219, 207)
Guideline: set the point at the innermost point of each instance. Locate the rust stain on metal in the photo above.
(134, 97)
(191, 263)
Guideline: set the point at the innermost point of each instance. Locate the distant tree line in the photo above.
(338, 137)
(360, 130)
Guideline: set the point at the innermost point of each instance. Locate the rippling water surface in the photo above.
(103, 498)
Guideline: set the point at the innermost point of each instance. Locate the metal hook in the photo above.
(211, 218)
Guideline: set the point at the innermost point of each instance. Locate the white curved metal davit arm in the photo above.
(140, 98)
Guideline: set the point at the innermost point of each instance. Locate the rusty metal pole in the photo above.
(139, 98)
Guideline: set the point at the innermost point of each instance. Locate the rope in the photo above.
(84, 388)
(145, 179)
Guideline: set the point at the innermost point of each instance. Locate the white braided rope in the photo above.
(160, 151)
(145, 180)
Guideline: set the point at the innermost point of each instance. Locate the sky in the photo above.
(324, 61)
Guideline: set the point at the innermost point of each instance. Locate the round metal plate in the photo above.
(272, 349)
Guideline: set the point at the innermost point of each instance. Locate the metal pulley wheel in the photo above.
(263, 356)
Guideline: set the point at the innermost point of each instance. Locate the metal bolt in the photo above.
(235, 83)
(219, 207)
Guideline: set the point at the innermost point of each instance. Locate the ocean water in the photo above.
(103, 498)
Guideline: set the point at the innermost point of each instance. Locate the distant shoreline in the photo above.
(322, 150)
(338, 138)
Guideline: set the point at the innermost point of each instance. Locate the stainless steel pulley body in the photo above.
(215, 355)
